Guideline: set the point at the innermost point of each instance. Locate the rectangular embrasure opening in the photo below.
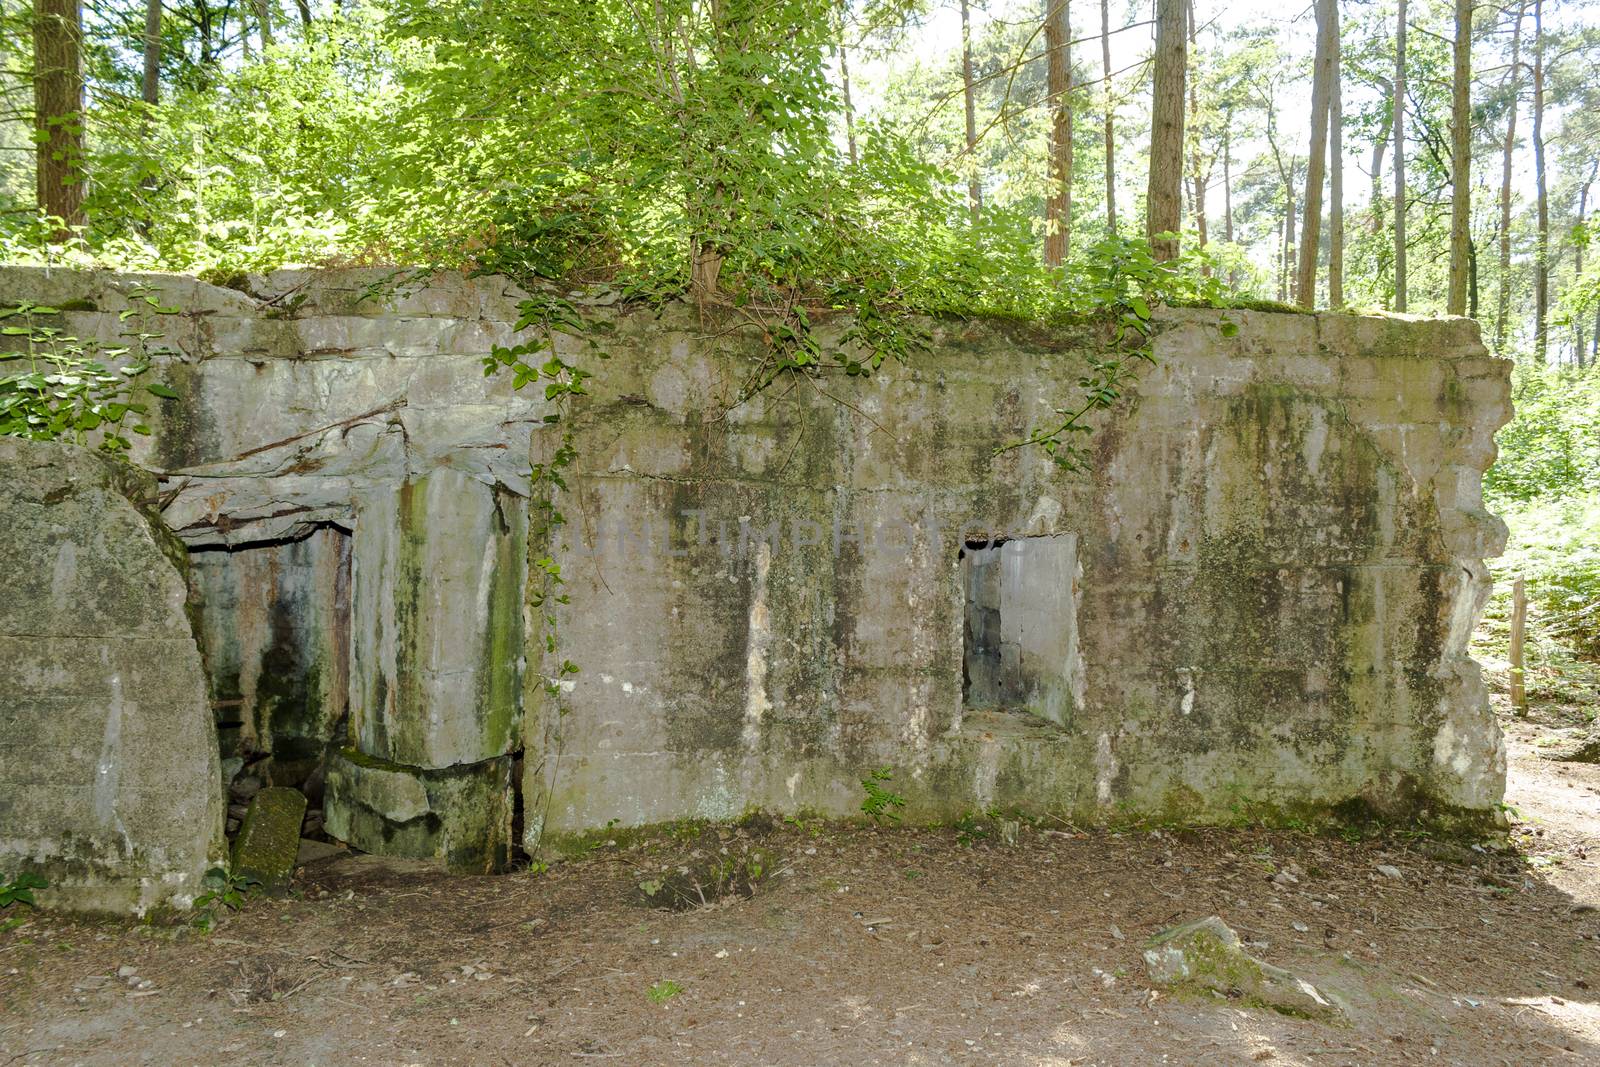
(1020, 624)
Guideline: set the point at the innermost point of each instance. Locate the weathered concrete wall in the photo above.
(108, 757)
(1280, 564)
(1272, 572)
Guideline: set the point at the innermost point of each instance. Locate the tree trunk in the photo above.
(305, 12)
(58, 111)
(1400, 159)
(1058, 81)
(1197, 179)
(1289, 245)
(1541, 257)
(1163, 191)
(1503, 298)
(263, 10)
(1283, 265)
(1460, 160)
(150, 87)
(1227, 178)
(974, 189)
(844, 75)
(1579, 353)
(1111, 141)
(1377, 210)
(1472, 279)
(1336, 176)
(1317, 159)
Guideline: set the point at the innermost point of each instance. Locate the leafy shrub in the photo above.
(1551, 447)
(1555, 547)
(20, 889)
(61, 389)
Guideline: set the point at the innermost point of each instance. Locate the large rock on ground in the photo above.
(460, 816)
(1206, 955)
(108, 755)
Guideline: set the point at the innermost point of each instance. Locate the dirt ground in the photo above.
(875, 946)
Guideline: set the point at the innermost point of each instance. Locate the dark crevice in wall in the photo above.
(273, 621)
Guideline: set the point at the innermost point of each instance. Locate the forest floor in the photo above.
(873, 946)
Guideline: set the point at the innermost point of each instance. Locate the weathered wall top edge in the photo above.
(414, 293)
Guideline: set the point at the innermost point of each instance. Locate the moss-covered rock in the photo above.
(1205, 954)
(269, 839)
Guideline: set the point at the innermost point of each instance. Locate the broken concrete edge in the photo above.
(459, 817)
(293, 294)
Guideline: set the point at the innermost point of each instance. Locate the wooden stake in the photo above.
(1519, 624)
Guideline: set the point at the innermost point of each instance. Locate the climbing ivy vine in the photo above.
(538, 361)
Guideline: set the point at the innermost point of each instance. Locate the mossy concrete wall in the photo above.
(108, 759)
(1277, 554)
(1279, 551)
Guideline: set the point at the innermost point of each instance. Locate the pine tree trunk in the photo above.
(1377, 208)
(1111, 141)
(1400, 159)
(1503, 299)
(1289, 245)
(150, 86)
(974, 188)
(1336, 176)
(1317, 158)
(1579, 352)
(1460, 160)
(1541, 258)
(1058, 82)
(1283, 264)
(1227, 191)
(1198, 181)
(1227, 178)
(58, 111)
(844, 75)
(1164, 189)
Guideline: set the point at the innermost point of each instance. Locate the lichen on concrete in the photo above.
(1277, 559)
(108, 756)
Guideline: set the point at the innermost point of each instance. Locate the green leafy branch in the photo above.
(881, 804)
(66, 392)
(1119, 284)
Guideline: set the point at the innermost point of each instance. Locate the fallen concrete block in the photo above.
(269, 841)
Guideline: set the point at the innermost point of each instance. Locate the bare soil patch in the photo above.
(868, 946)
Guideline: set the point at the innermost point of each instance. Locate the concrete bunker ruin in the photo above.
(1264, 588)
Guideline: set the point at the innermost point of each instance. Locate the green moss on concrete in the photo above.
(269, 838)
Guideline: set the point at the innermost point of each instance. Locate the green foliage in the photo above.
(881, 804)
(20, 889)
(61, 389)
(1551, 447)
(1555, 546)
(663, 991)
(224, 892)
